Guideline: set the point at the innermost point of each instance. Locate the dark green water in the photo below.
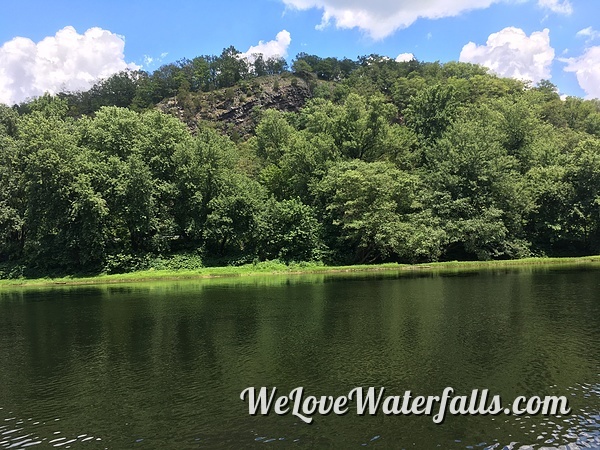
(162, 365)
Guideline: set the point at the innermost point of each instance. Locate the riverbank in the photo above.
(267, 268)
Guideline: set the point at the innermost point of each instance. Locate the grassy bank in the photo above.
(266, 268)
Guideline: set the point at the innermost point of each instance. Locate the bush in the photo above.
(124, 263)
(11, 271)
(289, 231)
(180, 261)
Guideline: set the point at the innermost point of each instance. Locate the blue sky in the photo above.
(528, 38)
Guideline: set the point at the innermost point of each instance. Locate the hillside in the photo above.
(214, 161)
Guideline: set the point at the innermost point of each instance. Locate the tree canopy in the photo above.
(386, 161)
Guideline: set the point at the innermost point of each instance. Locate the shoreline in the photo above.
(262, 269)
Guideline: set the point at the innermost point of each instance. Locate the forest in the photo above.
(355, 161)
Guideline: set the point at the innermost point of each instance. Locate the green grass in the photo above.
(275, 268)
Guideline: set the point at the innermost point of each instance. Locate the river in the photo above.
(162, 365)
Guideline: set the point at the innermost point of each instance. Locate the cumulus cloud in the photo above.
(557, 6)
(66, 61)
(275, 48)
(405, 57)
(587, 69)
(511, 53)
(380, 18)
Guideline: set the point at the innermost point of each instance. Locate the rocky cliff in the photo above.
(236, 110)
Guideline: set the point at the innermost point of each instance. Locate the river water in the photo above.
(162, 365)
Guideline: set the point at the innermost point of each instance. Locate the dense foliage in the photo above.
(387, 161)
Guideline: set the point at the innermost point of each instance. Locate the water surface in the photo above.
(162, 365)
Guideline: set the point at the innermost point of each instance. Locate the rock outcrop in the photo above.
(236, 110)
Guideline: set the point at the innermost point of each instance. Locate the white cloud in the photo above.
(380, 18)
(405, 57)
(587, 69)
(589, 33)
(511, 53)
(557, 6)
(66, 61)
(275, 48)
(153, 61)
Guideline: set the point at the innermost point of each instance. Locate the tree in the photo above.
(159, 135)
(584, 175)
(230, 68)
(113, 131)
(276, 65)
(431, 111)
(12, 200)
(232, 220)
(137, 204)
(203, 167)
(273, 135)
(475, 188)
(289, 231)
(65, 215)
(201, 74)
(361, 128)
(302, 68)
(364, 207)
(549, 225)
(8, 121)
(117, 90)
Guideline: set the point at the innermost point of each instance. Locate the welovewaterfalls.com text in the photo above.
(376, 400)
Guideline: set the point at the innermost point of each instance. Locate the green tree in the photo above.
(65, 227)
(12, 200)
(232, 220)
(113, 131)
(203, 167)
(361, 128)
(475, 188)
(431, 111)
(288, 230)
(584, 175)
(230, 68)
(365, 209)
(548, 223)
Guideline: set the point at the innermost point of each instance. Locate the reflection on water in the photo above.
(20, 433)
(162, 365)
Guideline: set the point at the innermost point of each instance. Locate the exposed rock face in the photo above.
(237, 109)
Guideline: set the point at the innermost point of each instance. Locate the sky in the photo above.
(50, 46)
